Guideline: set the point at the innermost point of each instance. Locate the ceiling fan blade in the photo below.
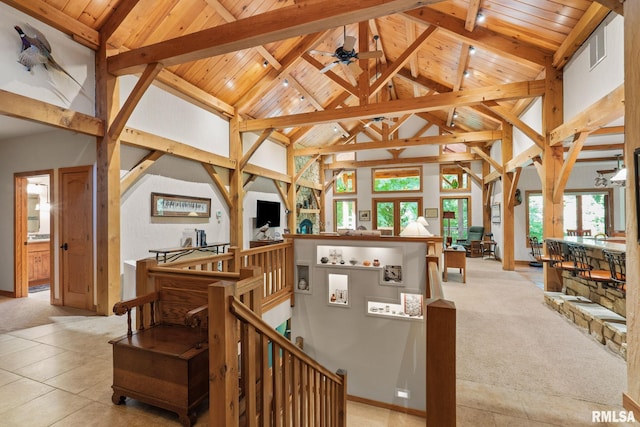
(368, 124)
(354, 68)
(371, 54)
(329, 66)
(389, 122)
(321, 52)
(349, 43)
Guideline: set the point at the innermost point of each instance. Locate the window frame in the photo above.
(396, 208)
(335, 211)
(469, 213)
(417, 168)
(448, 169)
(339, 176)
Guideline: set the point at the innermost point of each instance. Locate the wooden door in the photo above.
(76, 237)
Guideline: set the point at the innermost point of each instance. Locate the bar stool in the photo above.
(585, 233)
(555, 254)
(571, 263)
(572, 232)
(536, 252)
(617, 267)
(588, 272)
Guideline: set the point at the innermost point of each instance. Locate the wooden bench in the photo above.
(166, 363)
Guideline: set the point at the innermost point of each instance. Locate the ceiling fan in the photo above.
(347, 55)
(378, 120)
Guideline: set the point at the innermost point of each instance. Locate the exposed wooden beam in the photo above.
(283, 195)
(497, 166)
(330, 183)
(610, 130)
(138, 138)
(217, 180)
(463, 61)
(456, 138)
(330, 74)
(303, 18)
(143, 83)
(59, 20)
(567, 166)
(267, 173)
(309, 184)
(138, 170)
(607, 109)
(444, 158)
(114, 20)
(425, 82)
(614, 5)
(405, 106)
(514, 186)
(263, 137)
(523, 157)
(508, 116)
(469, 172)
(493, 176)
(480, 37)
(593, 16)
(22, 107)
(472, 15)
(183, 89)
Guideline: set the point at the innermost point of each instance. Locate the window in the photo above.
(397, 179)
(454, 178)
(597, 46)
(582, 210)
(345, 182)
(393, 215)
(456, 227)
(344, 214)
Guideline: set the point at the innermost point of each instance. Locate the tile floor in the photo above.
(60, 375)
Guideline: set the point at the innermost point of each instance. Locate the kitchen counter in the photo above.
(590, 242)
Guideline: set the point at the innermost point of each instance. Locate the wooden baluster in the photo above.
(341, 400)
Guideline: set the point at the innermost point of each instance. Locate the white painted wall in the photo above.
(51, 150)
(48, 86)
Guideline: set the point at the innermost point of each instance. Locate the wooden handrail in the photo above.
(243, 313)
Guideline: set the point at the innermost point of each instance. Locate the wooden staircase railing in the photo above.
(279, 384)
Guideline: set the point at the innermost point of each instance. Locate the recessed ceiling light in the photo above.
(265, 63)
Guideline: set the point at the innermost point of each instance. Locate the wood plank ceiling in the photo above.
(435, 49)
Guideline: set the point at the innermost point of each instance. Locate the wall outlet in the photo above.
(402, 393)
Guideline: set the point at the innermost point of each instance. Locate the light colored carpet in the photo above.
(508, 337)
(35, 310)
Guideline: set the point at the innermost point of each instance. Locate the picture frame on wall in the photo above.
(431, 212)
(495, 213)
(171, 205)
(364, 215)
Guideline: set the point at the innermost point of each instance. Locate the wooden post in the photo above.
(144, 285)
(508, 259)
(234, 264)
(631, 400)
(441, 363)
(236, 186)
(552, 160)
(223, 357)
(341, 400)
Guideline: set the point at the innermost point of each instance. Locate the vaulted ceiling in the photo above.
(460, 65)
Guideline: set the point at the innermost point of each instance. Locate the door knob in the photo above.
(64, 246)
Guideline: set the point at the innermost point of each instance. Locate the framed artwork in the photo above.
(495, 213)
(413, 304)
(171, 205)
(431, 212)
(364, 215)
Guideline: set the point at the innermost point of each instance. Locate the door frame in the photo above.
(20, 267)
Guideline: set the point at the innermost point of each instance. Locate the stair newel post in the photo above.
(341, 399)
(223, 356)
(234, 263)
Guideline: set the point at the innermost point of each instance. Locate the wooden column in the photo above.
(107, 191)
(322, 216)
(552, 160)
(631, 399)
(236, 233)
(486, 196)
(291, 191)
(508, 261)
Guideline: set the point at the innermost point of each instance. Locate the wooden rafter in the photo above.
(262, 138)
(493, 176)
(614, 5)
(567, 166)
(283, 194)
(331, 182)
(444, 158)
(522, 158)
(463, 62)
(426, 103)
(114, 21)
(594, 15)
(486, 135)
(271, 26)
(607, 109)
(138, 170)
(267, 173)
(143, 83)
(309, 184)
(217, 180)
(472, 15)
(480, 37)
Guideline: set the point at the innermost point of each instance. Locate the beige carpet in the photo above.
(508, 337)
(34, 310)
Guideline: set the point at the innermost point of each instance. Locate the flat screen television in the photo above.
(268, 212)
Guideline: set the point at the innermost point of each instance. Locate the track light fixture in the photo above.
(480, 17)
(472, 50)
(285, 83)
(265, 63)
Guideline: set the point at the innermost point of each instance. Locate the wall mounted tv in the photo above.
(268, 212)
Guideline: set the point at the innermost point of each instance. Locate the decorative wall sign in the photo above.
(171, 205)
(364, 215)
(495, 213)
(431, 212)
